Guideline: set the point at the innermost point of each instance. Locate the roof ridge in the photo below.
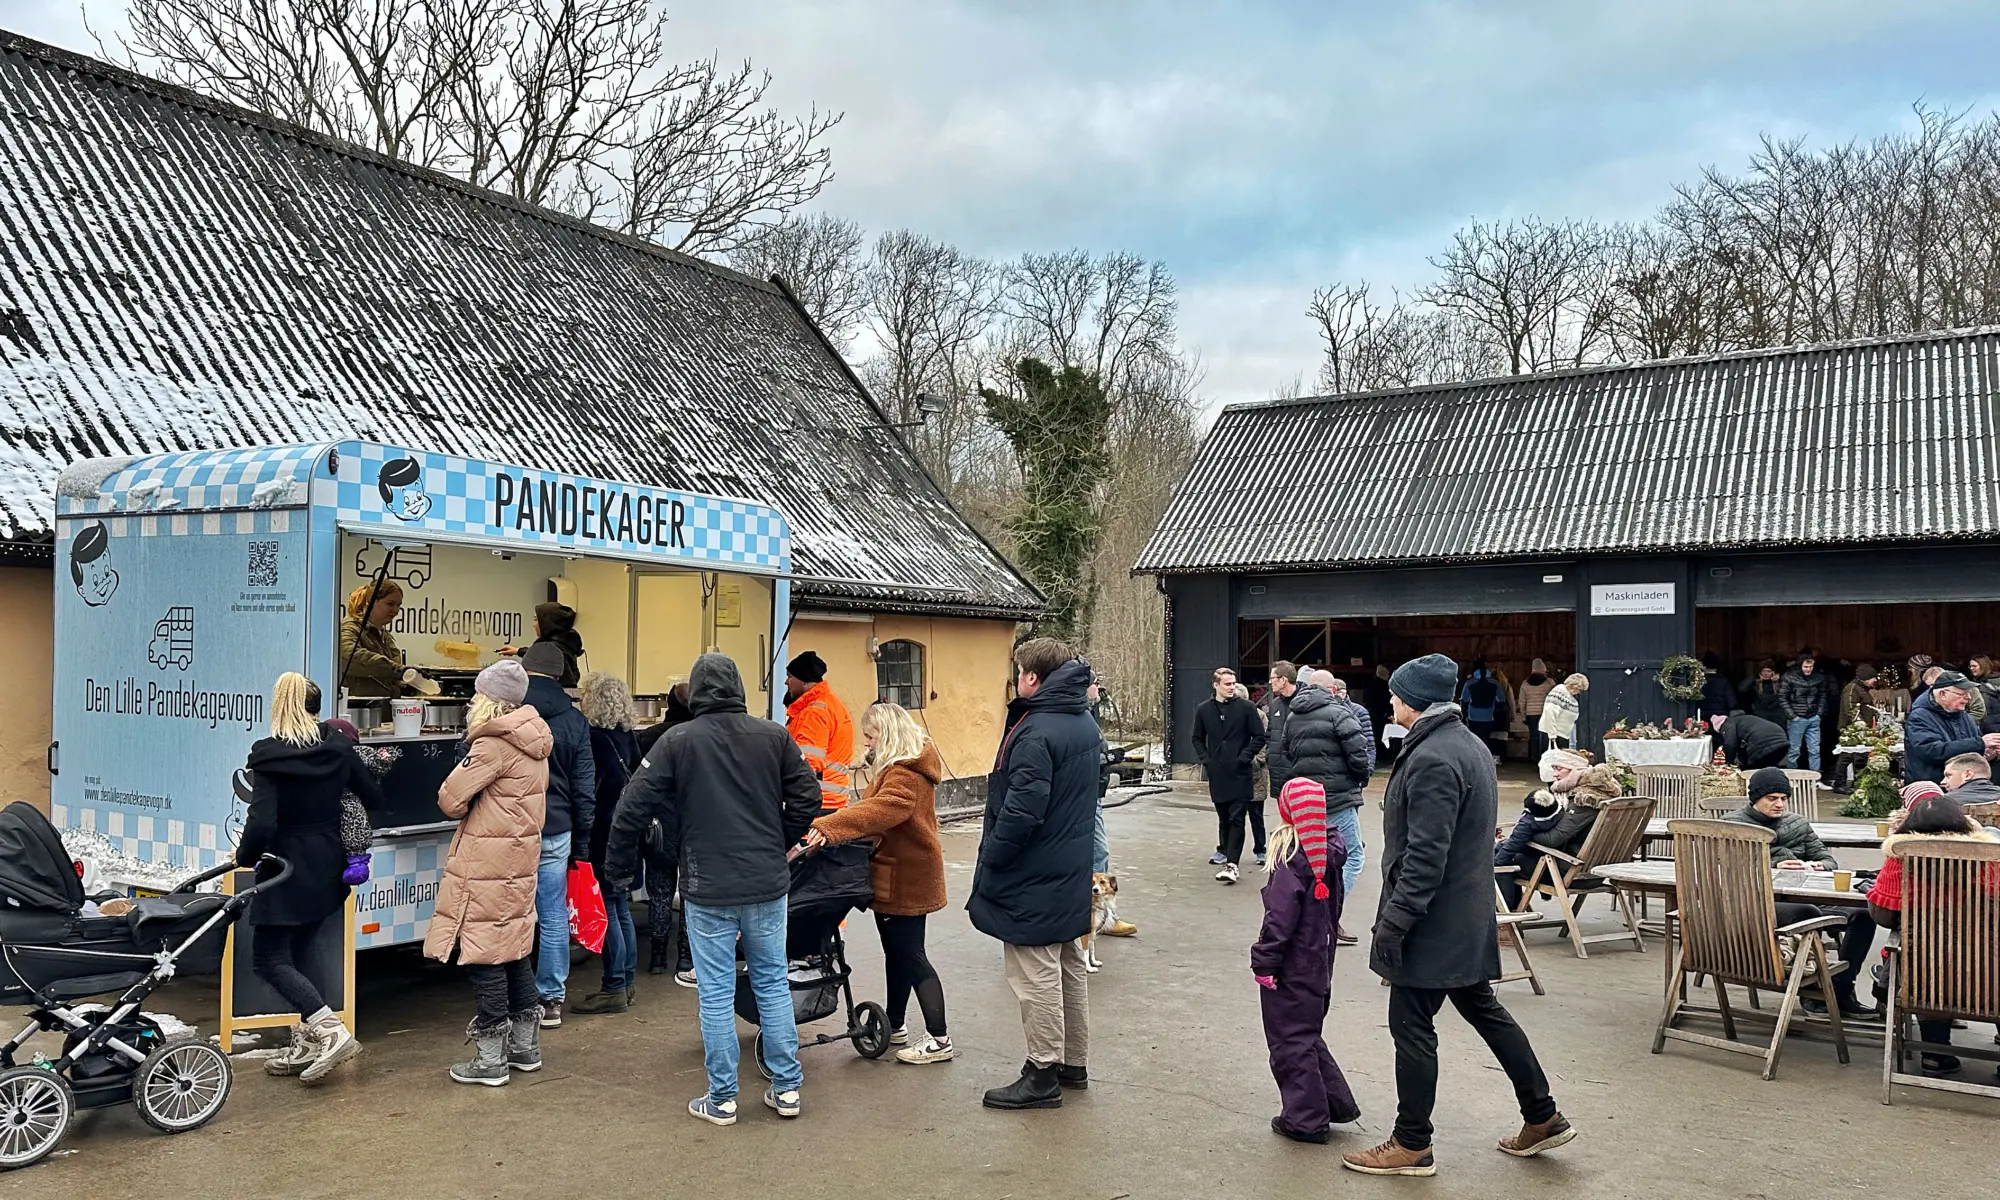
(70, 60)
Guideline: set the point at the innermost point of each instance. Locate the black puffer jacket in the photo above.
(572, 771)
(1750, 740)
(1804, 695)
(295, 814)
(1324, 743)
(732, 793)
(1032, 884)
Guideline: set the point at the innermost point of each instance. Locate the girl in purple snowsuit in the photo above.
(1293, 963)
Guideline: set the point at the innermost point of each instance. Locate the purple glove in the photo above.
(356, 873)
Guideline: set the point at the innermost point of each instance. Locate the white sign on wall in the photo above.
(1631, 599)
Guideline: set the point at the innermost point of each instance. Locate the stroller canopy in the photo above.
(35, 871)
(832, 882)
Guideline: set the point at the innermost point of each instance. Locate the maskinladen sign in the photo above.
(1631, 599)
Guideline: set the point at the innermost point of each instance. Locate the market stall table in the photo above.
(1648, 752)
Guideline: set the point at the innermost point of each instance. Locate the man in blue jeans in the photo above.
(732, 793)
(572, 799)
(1803, 690)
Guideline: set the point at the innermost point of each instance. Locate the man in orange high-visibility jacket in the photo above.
(819, 723)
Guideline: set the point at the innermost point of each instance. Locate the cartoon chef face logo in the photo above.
(89, 569)
(402, 486)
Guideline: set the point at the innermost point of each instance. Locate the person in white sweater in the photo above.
(1559, 711)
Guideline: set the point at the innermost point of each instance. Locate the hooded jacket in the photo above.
(1031, 886)
(820, 724)
(486, 903)
(572, 796)
(1533, 693)
(899, 809)
(732, 794)
(1933, 737)
(557, 625)
(295, 814)
(1324, 743)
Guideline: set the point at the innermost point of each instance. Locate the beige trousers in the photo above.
(1053, 989)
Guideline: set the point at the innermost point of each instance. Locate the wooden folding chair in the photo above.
(1567, 878)
(1675, 791)
(1512, 921)
(1805, 793)
(1945, 964)
(1722, 806)
(1729, 932)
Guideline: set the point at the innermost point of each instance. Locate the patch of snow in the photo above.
(85, 480)
(106, 864)
(279, 493)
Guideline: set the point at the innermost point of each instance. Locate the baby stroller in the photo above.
(826, 886)
(51, 955)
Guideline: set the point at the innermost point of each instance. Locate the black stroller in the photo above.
(52, 955)
(827, 885)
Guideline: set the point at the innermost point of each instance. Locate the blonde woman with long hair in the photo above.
(297, 777)
(897, 783)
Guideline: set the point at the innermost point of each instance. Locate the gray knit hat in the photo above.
(505, 681)
(1425, 681)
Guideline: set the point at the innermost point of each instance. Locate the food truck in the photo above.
(188, 582)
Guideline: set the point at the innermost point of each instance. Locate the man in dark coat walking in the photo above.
(1435, 935)
(572, 805)
(1031, 887)
(1227, 735)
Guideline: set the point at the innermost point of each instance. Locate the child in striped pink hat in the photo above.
(1292, 961)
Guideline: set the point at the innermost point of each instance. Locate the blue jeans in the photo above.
(713, 933)
(1803, 729)
(1100, 850)
(621, 942)
(552, 917)
(1347, 822)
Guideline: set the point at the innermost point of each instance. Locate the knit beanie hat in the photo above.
(1302, 805)
(1767, 781)
(1425, 681)
(809, 667)
(543, 658)
(1913, 792)
(505, 681)
(1542, 803)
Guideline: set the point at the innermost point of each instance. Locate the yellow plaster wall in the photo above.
(27, 609)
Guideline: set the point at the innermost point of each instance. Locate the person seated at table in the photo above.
(1541, 810)
(1748, 741)
(1939, 729)
(1793, 842)
(1968, 779)
(1582, 787)
(1927, 813)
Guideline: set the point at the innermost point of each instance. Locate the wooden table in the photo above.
(1836, 835)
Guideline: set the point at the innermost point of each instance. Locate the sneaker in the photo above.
(1939, 1064)
(332, 1045)
(602, 1002)
(934, 1050)
(715, 1112)
(1227, 874)
(294, 1058)
(552, 1014)
(685, 979)
(1283, 1130)
(1391, 1159)
(785, 1104)
(900, 1036)
(1216, 859)
(1121, 929)
(1533, 1139)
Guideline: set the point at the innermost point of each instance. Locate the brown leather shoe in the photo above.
(1391, 1159)
(1533, 1139)
(1343, 938)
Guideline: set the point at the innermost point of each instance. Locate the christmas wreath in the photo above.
(1681, 677)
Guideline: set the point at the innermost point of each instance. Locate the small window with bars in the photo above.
(899, 673)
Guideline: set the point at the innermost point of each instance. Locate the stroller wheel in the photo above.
(757, 1054)
(182, 1085)
(871, 1030)
(35, 1107)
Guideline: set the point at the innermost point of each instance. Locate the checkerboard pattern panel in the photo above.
(194, 480)
(146, 838)
(461, 492)
(401, 892)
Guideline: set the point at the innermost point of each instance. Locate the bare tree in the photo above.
(1537, 289)
(571, 104)
(1110, 315)
(819, 257)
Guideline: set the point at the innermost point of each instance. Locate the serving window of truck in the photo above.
(188, 582)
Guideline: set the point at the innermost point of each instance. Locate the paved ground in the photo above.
(1179, 1105)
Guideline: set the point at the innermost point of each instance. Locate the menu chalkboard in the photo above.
(410, 785)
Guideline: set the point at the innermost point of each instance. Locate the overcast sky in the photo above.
(1262, 149)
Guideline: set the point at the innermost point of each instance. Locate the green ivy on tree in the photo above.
(1058, 420)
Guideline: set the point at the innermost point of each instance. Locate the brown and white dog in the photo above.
(1103, 891)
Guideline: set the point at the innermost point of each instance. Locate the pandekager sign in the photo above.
(603, 513)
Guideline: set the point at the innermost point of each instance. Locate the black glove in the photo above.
(617, 887)
(1388, 947)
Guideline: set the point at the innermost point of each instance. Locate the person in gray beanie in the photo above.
(1435, 934)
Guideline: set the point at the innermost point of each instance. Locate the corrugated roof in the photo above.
(177, 274)
(1883, 440)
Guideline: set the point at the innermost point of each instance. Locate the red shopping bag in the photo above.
(587, 921)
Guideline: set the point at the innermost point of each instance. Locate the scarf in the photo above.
(1302, 805)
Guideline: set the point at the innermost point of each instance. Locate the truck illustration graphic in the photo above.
(406, 564)
(173, 639)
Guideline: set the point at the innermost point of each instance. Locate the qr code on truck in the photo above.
(263, 565)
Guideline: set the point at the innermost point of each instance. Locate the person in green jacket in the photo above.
(1793, 842)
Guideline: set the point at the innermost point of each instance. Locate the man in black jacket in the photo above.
(1031, 887)
(1324, 743)
(733, 794)
(1227, 735)
(1804, 691)
(1278, 713)
(572, 801)
(1749, 742)
(1435, 935)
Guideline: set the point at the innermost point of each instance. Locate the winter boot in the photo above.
(1036, 1088)
(524, 1040)
(294, 1058)
(332, 1045)
(489, 1056)
(662, 962)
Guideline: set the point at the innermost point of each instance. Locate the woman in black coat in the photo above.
(661, 870)
(297, 776)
